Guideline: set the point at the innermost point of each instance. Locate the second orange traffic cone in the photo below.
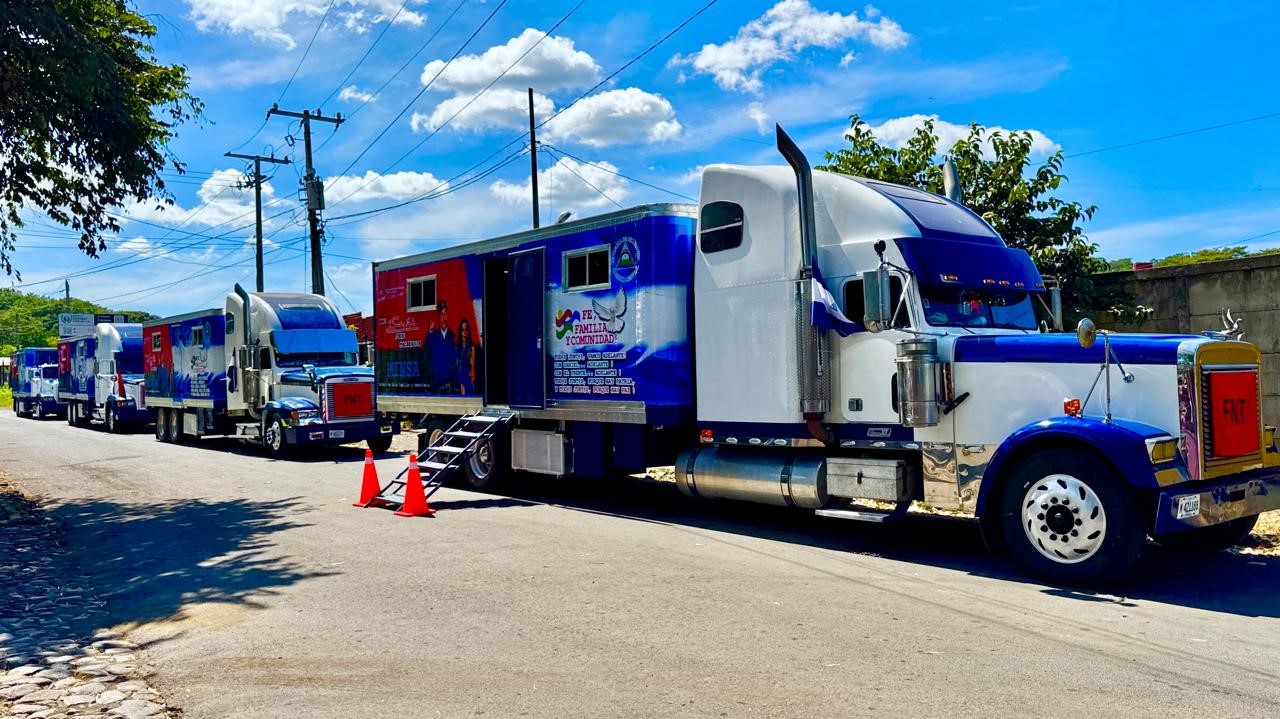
(415, 496)
(369, 486)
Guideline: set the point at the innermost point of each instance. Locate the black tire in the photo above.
(273, 441)
(173, 428)
(1075, 491)
(113, 419)
(162, 424)
(71, 414)
(486, 465)
(432, 429)
(1209, 540)
(379, 444)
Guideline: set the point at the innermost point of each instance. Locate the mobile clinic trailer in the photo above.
(585, 324)
(813, 339)
(100, 376)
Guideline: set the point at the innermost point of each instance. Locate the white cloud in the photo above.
(372, 186)
(352, 93)
(787, 28)
(499, 108)
(226, 197)
(553, 65)
(138, 245)
(564, 186)
(898, 131)
(759, 116)
(616, 117)
(267, 19)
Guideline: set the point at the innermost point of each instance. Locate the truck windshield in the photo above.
(968, 307)
(49, 372)
(318, 359)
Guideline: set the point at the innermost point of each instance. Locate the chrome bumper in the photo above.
(1201, 505)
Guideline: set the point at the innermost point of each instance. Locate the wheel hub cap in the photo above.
(1064, 519)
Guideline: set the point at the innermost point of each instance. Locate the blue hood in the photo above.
(1062, 348)
(300, 376)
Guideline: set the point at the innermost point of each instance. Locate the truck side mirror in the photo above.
(875, 298)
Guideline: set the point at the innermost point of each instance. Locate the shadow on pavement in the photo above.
(146, 562)
(1241, 584)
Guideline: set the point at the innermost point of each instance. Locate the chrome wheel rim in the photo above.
(274, 437)
(481, 461)
(175, 426)
(1064, 519)
(111, 420)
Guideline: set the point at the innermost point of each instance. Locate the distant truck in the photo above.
(34, 381)
(100, 376)
(276, 368)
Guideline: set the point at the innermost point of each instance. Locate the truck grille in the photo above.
(348, 400)
(1229, 412)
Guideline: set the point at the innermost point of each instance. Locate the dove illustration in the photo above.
(612, 316)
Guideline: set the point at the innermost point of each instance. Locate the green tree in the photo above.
(87, 113)
(1014, 195)
(1213, 254)
(30, 320)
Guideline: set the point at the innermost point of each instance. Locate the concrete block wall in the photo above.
(1189, 299)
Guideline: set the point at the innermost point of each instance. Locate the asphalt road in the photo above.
(259, 591)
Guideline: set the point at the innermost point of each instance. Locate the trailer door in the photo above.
(526, 325)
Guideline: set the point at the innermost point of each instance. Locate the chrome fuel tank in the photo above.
(753, 476)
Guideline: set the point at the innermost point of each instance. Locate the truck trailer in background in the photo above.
(809, 339)
(34, 382)
(275, 368)
(100, 376)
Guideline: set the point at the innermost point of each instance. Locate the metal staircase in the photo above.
(449, 452)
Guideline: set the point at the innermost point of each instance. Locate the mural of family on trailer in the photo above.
(454, 354)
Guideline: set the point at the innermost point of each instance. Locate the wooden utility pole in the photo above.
(312, 187)
(533, 157)
(257, 197)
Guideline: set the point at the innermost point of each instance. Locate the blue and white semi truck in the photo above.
(35, 382)
(270, 367)
(100, 376)
(811, 339)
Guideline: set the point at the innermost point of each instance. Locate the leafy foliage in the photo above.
(86, 115)
(1212, 254)
(30, 320)
(1012, 194)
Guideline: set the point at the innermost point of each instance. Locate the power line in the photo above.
(1184, 133)
(597, 189)
(425, 87)
(429, 194)
(619, 174)
(365, 56)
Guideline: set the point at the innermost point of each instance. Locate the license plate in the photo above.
(1188, 506)
(337, 433)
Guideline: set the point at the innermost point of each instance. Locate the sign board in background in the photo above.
(74, 324)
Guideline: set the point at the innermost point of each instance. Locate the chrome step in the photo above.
(856, 515)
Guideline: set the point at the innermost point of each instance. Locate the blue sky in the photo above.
(1083, 76)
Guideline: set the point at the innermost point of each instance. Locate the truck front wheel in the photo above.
(379, 444)
(1067, 518)
(113, 419)
(1208, 540)
(273, 437)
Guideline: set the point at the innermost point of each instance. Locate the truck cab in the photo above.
(293, 367)
(35, 382)
(941, 386)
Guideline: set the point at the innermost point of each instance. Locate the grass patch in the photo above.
(6, 398)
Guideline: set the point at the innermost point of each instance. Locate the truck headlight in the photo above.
(305, 416)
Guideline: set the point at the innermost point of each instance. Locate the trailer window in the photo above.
(421, 293)
(197, 336)
(721, 224)
(586, 269)
(855, 305)
(155, 341)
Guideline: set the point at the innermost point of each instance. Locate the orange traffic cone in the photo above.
(415, 497)
(369, 486)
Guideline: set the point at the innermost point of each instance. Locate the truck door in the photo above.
(526, 326)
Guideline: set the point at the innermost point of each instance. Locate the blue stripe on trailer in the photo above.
(1130, 349)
